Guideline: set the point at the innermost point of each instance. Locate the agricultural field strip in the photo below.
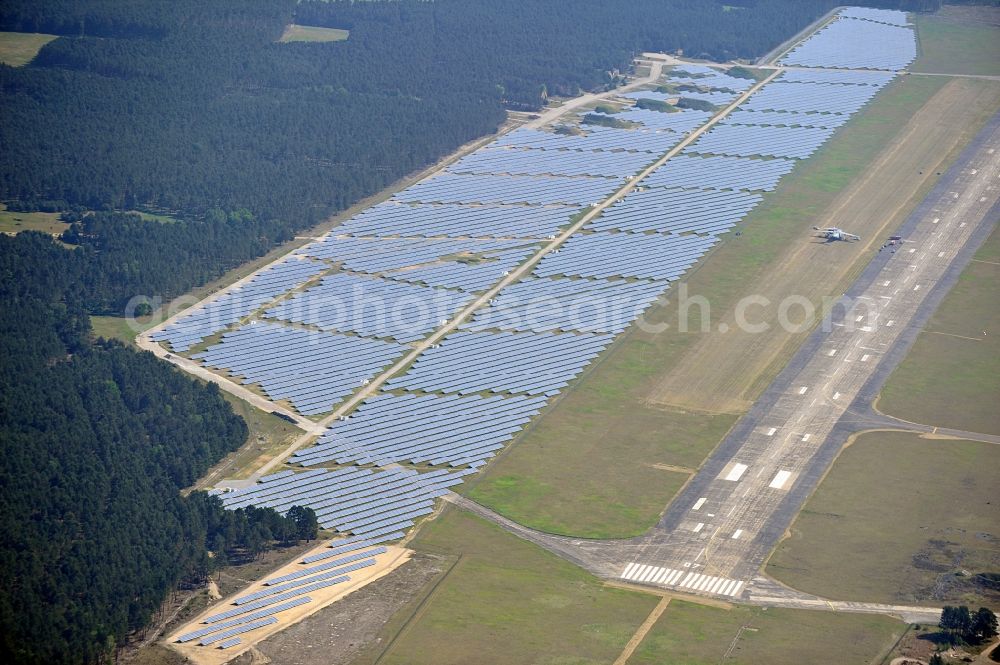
(849, 42)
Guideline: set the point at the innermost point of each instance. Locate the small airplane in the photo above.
(833, 234)
(895, 240)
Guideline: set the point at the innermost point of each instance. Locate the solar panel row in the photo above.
(580, 305)
(605, 254)
(720, 172)
(471, 362)
(371, 307)
(350, 495)
(437, 429)
(466, 276)
(539, 190)
(457, 220)
(312, 370)
(529, 161)
(594, 138)
(206, 319)
(759, 140)
(674, 210)
(808, 97)
(376, 255)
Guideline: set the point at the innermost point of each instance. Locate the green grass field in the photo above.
(584, 467)
(507, 601)
(15, 222)
(951, 376)
(308, 33)
(690, 634)
(19, 48)
(959, 40)
(898, 519)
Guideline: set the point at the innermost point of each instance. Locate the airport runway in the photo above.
(732, 514)
(717, 533)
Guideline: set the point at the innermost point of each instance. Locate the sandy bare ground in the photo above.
(722, 372)
(210, 655)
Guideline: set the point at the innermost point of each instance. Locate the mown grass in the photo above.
(584, 467)
(19, 48)
(15, 222)
(899, 519)
(690, 634)
(507, 601)
(951, 43)
(308, 33)
(951, 376)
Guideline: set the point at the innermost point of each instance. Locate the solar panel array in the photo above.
(786, 119)
(504, 362)
(761, 140)
(678, 121)
(675, 210)
(467, 276)
(456, 220)
(715, 80)
(806, 97)
(352, 500)
(466, 397)
(539, 190)
(594, 138)
(836, 77)
(380, 254)
(625, 255)
(890, 16)
(568, 305)
(522, 161)
(434, 429)
(312, 370)
(207, 319)
(371, 307)
(721, 173)
(854, 43)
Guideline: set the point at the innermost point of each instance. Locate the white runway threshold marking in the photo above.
(720, 586)
(698, 527)
(780, 479)
(735, 472)
(771, 431)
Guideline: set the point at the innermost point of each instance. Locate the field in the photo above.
(951, 376)
(689, 634)
(308, 33)
(15, 222)
(506, 601)
(20, 48)
(585, 467)
(899, 519)
(959, 40)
